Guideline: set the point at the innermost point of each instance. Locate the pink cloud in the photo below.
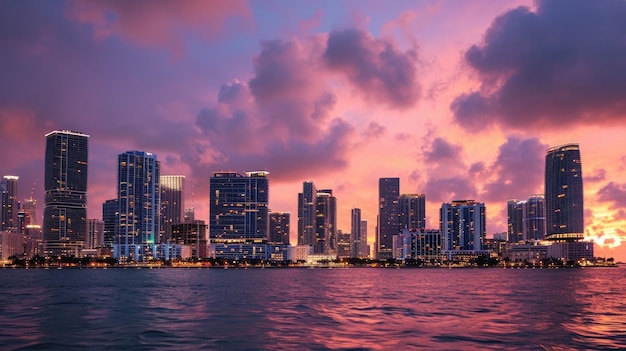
(379, 70)
(157, 22)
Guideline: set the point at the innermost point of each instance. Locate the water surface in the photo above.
(315, 309)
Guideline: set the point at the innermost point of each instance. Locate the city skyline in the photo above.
(338, 94)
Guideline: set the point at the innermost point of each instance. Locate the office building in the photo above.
(358, 234)
(138, 195)
(172, 204)
(279, 228)
(412, 211)
(463, 226)
(535, 220)
(110, 217)
(564, 192)
(192, 234)
(9, 204)
(388, 216)
(307, 210)
(95, 234)
(239, 207)
(65, 182)
(325, 222)
(516, 214)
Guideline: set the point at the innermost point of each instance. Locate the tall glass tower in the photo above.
(388, 216)
(8, 204)
(172, 204)
(239, 207)
(65, 178)
(139, 203)
(564, 193)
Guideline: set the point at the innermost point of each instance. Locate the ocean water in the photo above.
(312, 309)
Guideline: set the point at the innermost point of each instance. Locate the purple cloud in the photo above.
(518, 170)
(614, 193)
(560, 65)
(375, 67)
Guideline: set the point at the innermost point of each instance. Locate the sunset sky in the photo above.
(459, 99)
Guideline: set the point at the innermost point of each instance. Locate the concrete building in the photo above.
(388, 216)
(172, 204)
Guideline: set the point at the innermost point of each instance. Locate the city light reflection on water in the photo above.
(321, 309)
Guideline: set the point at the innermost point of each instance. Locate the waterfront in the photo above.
(319, 309)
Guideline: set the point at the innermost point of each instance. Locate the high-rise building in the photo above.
(65, 208)
(412, 211)
(9, 204)
(462, 226)
(110, 217)
(516, 224)
(388, 216)
(192, 233)
(138, 194)
(325, 222)
(95, 234)
(526, 219)
(30, 208)
(279, 228)
(239, 207)
(307, 210)
(364, 249)
(535, 221)
(172, 204)
(564, 192)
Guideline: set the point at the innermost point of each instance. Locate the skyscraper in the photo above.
(564, 192)
(516, 214)
(239, 207)
(412, 211)
(388, 216)
(307, 209)
(172, 204)
(95, 234)
(279, 228)
(110, 217)
(463, 225)
(138, 195)
(65, 178)
(359, 239)
(325, 222)
(8, 204)
(535, 221)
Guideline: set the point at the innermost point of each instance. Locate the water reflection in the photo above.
(285, 309)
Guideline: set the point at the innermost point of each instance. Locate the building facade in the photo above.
(138, 196)
(535, 220)
(95, 234)
(412, 211)
(564, 192)
(463, 226)
(110, 217)
(388, 216)
(516, 214)
(193, 234)
(239, 207)
(172, 204)
(307, 210)
(65, 182)
(9, 204)
(325, 222)
(280, 228)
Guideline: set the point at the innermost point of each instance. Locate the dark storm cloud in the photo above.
(376, 67)
(560, 65)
